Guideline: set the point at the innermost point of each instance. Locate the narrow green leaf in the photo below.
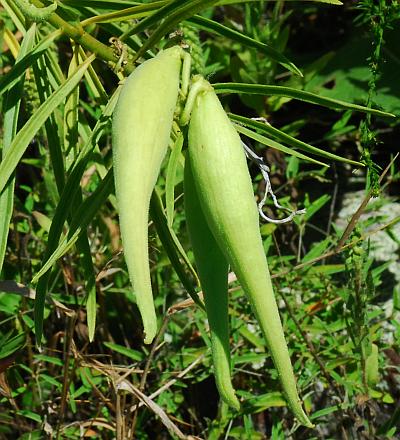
(83, 216)
(90, 284)
(324, 412)
(88, 270)
(327, 269)
(29, 415)
(71, 114)
(67, 203)
(265, 401)
(12, 104)
(11, 41)
(317, 250)
(128, 352)
(28, 131)
(92, 79)
(56, 74)
(109, 5)
(49, 359)
(273, 144)
(177, 16)
(170, 179)
(162, 13)
(315, 206)
(233, 2)
(301, 95)
(125, 14)
(278, 134)
(372, 366)
(41, 75)
(72, 185)
(15, 14)
(219, 29)
(172, 247)
(10, 344)
(19, 68)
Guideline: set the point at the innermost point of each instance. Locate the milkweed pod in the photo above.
(212, 268)
(141, 129)
(226, 196)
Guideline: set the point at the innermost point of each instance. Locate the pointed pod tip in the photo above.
(235, 404)
(230, 399)
(148, 337)
(309, 424)
(304, 420)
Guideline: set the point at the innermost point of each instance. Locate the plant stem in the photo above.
(80, 36)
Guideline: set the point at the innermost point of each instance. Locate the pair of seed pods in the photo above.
(221, 212)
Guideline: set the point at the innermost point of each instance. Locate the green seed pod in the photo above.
(212, 268)
(141, 129)
(226, 196)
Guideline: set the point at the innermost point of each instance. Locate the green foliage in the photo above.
(63, 267)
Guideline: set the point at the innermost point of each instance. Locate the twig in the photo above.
(333, 201)
(356, 216)
(127, 386)
(98, 393)
(170, 382)
(147, 367)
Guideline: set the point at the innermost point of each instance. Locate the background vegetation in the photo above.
(336, 268)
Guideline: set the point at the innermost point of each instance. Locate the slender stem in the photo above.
(79, 35)
(186, 67)
(198, 85)
(350, 227)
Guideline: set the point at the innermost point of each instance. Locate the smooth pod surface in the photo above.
(226, 195)
(141, 129)
(212, 268)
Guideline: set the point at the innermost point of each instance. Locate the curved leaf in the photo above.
(219, 29)
(274, 132)
(260, 89)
